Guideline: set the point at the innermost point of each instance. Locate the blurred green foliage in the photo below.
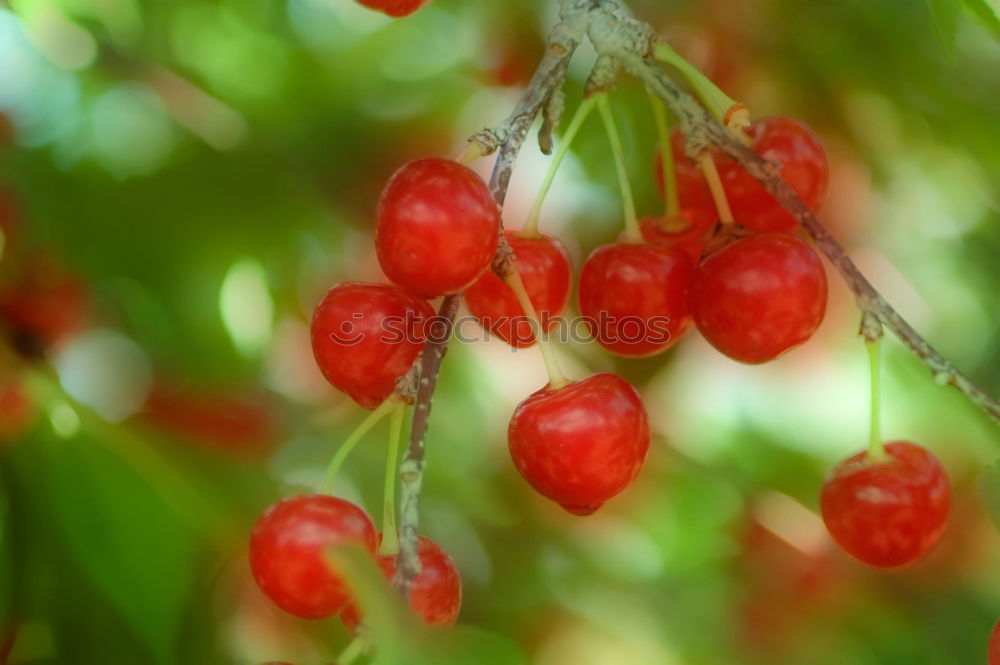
(164, 149)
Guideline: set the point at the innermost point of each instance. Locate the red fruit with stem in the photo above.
(365, 336)
(759, 296)
(887, 512)
(544, 267)
(395, 8)
(287, 552)
(692, 190)
(695, 222)
(437, 227)
(435, 594)
(580, 444)
(993, 653)
(633, 297)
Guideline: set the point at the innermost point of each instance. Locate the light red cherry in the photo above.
(759, 296)
(287, 552)
(633, 296)
(544, 267)
(661, 231)
(887, 512)
(580, 444)
(365, 336)
(437, 227)
(395, 8)
(435, 594)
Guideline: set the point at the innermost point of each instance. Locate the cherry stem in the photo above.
(666, 160)
(556, 378)
(876, 450)
(632, 232)
(725, 109)
(352, 651)
(383, 409)
(390, 537)
(470, 153)
(530, 227)
(711, 173)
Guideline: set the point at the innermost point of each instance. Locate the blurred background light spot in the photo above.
(620, 548)
(214, 122)
(62, 41)
(792, 522)
(246, 307)
(106, 371)
(334, 26)
(131, 131)
(65, 421)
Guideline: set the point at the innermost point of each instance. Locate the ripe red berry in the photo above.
(581, 444)
(287, 552)
(544, 267)
(435, 594)
(437, 227)
(365, 336)
(395, 8)
(633, 297)
(656, 231)
(993, 650)
(887, 512)
(759, 296)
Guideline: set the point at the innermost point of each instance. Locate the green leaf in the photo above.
(945, 15)
(986, 13)
(989, 492)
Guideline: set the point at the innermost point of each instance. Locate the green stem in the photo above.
(338, 460)
(666, 157)
(390, 537)
(352, 651)
(556, 377)
(632, 232)
(715, 100)
(530, 228)
(876, 450)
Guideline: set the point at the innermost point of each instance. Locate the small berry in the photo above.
(365, 336)
(633, 297)
(437, 227)
(395, 8)
(287, 552)
(889, 512)
(544, 267)
(581, 444)
(759, 296)
(657, 231)
(435, 594)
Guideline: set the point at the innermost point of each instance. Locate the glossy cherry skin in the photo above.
(887, 513)
(581, 444)
(633, 297)
(804, 166)
(435, 594)
(395, 8)
(759, 296)
(544, 267)
(993, 650)
(437, 227)
(365, 336)
(692, 239)
(287, 552)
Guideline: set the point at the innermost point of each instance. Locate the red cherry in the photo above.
(44, 304)
(993, 653)
(435, 594)
(804, 166)
(759, 296)
(437, 227)
(544, 267)
(287, 552)
(581, 444)
(365, 336)
(656, 231)
(395, 8)
(888, 512)
(633, 297)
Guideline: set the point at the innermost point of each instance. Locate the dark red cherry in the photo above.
(395, 8)
(633, 297)
(43, 305)
(437, 227)
(544, 267)
(365, 336)
(698, 222)
(887, 512)
(287, 552)
(435, 594)
(759, 296)
(993, 653)
(797, 149)
(580, 444)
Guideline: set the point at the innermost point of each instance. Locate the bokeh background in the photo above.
(181, 181)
